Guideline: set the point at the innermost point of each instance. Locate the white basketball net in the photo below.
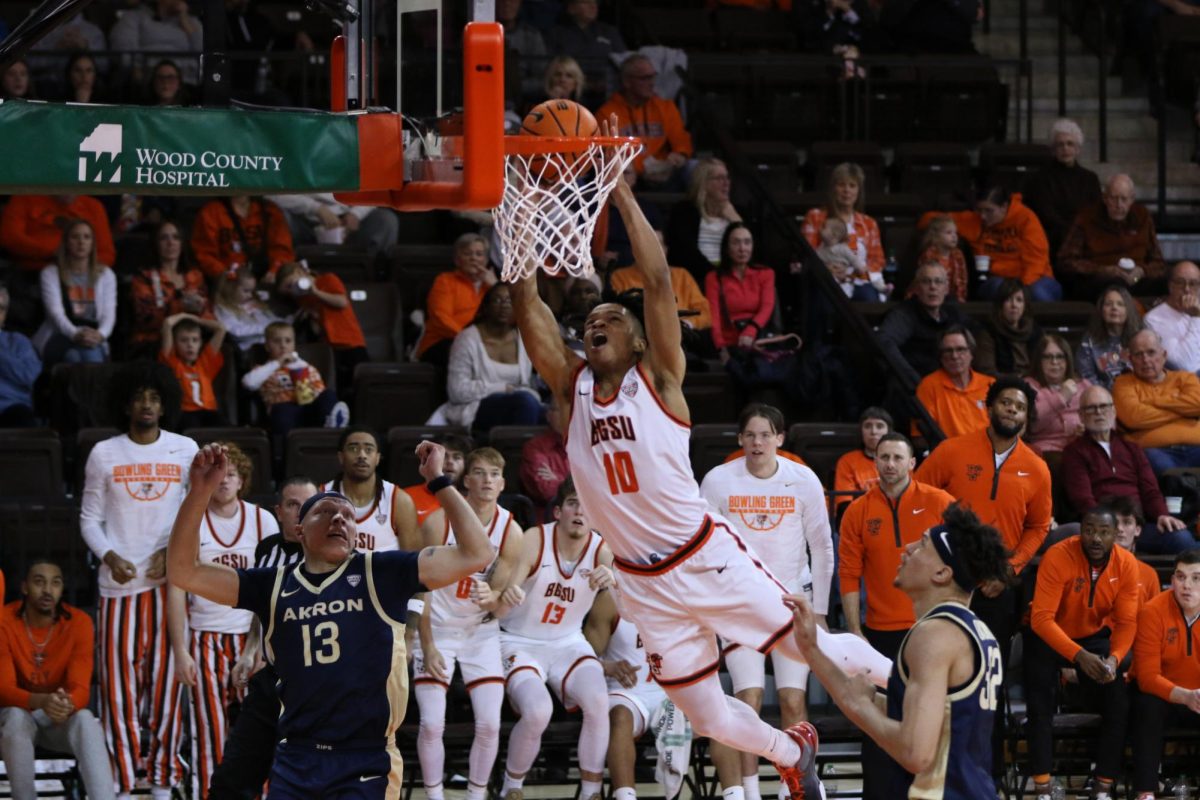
(550, 207)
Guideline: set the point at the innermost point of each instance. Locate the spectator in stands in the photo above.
(910, 332)
(667, 145)
(292, 389)
(610, 240)
(1092, 631)
(134, 484)
(166, 86)
(741, 294)
(32, 226)
(544, 463)
(196, 366)
(697, 224)
(19, 368)
(322, 219)
(241, 232)
(16, 83)
(873, 535)
(1159, 407)
(80, 80)
(46, 660)
(79, 294)
(1009, 334)
(238, 308)
(454, 298)
(173, 286)
(1061, 189)
(1168, 672)
(1104, 351)
(1102, 463)
(856, 471)
(1001, 228)
(77, 34)
(1129, 528)
(847, 195)
(457, 448)
(1059, 393)
(163, 26)
(954, 395)
(322, 302)
(1177, 319)
(589, 41)
(1112, 241)
(490, 377)
(940, 243)
(582, 296)
(841, 27)
(695, 315)
(526, 41)
(563, 79)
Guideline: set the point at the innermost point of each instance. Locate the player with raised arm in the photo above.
(457, 627)
(333, 628)
(943, 691)
(684, 576)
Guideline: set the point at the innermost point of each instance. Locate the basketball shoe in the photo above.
(801, 777)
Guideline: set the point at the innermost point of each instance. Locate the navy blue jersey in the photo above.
(962, 769)
(337, 642)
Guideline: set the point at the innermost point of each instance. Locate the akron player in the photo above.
(684, 576)
(944, 687)
(563, 566)
(456, 627)
(209, 638)
(333, 628)
(778, 508)
(384, 513)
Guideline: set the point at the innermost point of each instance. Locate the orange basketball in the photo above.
(557, 118)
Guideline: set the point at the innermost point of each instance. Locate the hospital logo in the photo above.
(99, 153)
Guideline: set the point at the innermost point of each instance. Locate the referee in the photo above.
(250, 748)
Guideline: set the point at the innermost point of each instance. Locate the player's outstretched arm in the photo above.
(511, 594)
(553, 360)
(440, 566)
(487, 594)
(215, 582)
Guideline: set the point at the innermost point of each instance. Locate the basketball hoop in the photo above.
(554, 189)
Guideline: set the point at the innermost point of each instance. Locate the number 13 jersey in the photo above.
(630, 460)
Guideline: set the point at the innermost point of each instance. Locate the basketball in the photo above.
(557, 118)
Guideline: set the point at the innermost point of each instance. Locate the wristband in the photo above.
(439, 483)
(416, 607)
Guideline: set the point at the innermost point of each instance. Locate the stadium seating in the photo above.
(710, 444)
(312, 452)
(509, 439)
(377, 306)
(402, 464)
(404, 393)
(711, 396)
(821, 444)
(31, 463)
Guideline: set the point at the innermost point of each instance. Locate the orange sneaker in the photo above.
(801, 777)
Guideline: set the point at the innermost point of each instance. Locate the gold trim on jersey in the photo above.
(329, 579)
(395, 787)
(397, 681)
(267, 649)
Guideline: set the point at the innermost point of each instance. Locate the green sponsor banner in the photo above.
(55, 148)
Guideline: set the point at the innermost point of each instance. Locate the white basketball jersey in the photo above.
(555, 602)
(374, 521)
(630, 461)
(230, 541)
(451, 605)
(625, 644)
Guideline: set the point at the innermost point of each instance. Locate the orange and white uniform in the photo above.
(375, 525)
(645, 696)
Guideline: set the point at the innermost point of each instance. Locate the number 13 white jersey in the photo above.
(629, 458)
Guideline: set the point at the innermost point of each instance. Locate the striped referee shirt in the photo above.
(275, 551)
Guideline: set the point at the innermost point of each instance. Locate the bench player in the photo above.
(683, 577)
(384, 513)
(333, 629)
(456, 627)
(563, 565)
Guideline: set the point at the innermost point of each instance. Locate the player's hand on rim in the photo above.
(433, 458)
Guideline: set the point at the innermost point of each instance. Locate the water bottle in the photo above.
(1182, 790)
(891, 268)
(1057, 792)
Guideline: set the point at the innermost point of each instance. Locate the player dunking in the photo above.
(683, 575)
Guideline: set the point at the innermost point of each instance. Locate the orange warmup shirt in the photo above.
(451, 305)
(873, 534)
(1015, 498)
(956, 411)
(1149, 584)
(424, 501)
(658, 124)
(196, 379)
(1068, 604)
(341, 326)
(1159, 414)
(217, 246)
(1166, 652)
(67, 658)
(855, 473)
(1017, 245)
(30, 230)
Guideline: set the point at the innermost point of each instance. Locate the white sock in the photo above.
(435, 792)
(160, 792)
(733, 793)
(511, 783)
(784, 794)
(625, 793)
(589, 788)
(124, 796)
(750, 785)
(473, 792)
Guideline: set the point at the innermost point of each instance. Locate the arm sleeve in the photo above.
(1185, 401)
(1149, 492)
(677, 133)
(692, 299)
(1085, 359)
(1035, 251)
(79, 670)
(897, 328)
(820, 541)
(254, 591)
(813, 220)
(206, 240)
(10, 693)
(124, 35)
(462, 382)
(52, 302)
(106, 251)
(850, 550)
(1046, 598)
(439, 304)
(1153, 262)
(19, 362)
(1182, 341)
(1072, 255)
(1037, 520)
(714, 302)
(875, 256)
(397, 579)
(14, 232)
(1125, 610)
(106, 302)
(932, 469)
(843, 481)
(196, 37)
(533, 457)
(985, 353)
(279, 236)
(1147, 656)
(1077, 479)
(766, 299)
(94, 504)
(255, 378)
(1134, 412)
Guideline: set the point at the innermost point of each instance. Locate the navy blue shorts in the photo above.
(305, 771)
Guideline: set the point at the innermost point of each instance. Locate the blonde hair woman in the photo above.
(80, 297)
(564, 79)
(698, 224)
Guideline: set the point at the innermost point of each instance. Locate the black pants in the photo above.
(876, 762)
(1002, 616)
(250, 746)
(1150, 718)
(18, 416)
(1110, 700)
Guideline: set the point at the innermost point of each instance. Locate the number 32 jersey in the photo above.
(337, 642)
(630, 460)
